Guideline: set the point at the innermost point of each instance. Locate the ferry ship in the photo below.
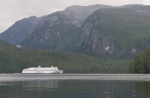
(40, 69)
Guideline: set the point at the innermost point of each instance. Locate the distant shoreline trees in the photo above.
(141, 64)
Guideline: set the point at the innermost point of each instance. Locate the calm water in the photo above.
(74, 86)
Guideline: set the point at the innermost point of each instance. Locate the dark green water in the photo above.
(74, 86)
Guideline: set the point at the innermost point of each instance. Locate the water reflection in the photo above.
(32, 89)
(143, 88)
(40, 85)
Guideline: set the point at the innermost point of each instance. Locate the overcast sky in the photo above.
(14, 10)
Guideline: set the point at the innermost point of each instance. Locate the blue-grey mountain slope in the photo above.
(20, 30)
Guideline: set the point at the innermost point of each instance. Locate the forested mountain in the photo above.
(98, 30)
(120, 32)
(13, 60)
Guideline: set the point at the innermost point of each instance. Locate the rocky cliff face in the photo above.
(115, 31)
(54, 29)
(93, 40)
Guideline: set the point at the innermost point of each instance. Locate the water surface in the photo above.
(74, 86)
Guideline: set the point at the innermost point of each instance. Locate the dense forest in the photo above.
(141, 64)
(13, 60)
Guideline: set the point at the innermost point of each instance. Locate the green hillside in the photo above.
(13, 60)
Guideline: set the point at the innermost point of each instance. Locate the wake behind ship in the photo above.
(40, 69)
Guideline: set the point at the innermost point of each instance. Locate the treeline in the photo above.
(141, 64)
(13, 60)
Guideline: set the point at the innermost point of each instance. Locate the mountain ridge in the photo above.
(103, 31)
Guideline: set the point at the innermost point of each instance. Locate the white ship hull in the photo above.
(52, 70)
(32, 71)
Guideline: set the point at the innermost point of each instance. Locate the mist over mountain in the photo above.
(77, 14)
(98, 30)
